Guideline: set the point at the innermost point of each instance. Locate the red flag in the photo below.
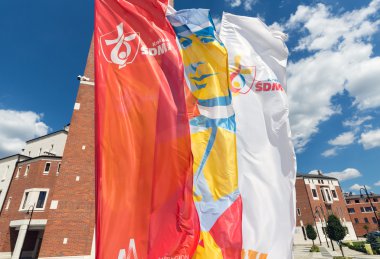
(143, 151)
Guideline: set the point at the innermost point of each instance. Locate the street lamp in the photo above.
(30, 216)
(370, 202)
(323, 214)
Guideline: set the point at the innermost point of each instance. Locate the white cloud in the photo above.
(377, 183)
(356, 121)
(370, 139)
(356, 187)
(349, 173)
(247, 4)
(343, 139)
(330, 152)
(339, 56)
(18, 126)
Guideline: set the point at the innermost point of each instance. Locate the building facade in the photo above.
(25, 211)
(362, 214)
(319, 196)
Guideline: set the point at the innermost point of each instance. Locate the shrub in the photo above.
(314, 248)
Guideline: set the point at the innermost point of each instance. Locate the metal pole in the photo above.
(315, 222)
(323, 214)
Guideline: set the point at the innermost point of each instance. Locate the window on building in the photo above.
(26, 195)
(58, 168)
(368, 209)
(366, 220)
(47, 168)
(356, 220)
(322, 181)
(315, 194)
(298, 211)
(8, 203)
(351, 210)
(34, 197)
(374, 208)
(374, 220)
(362, 209)
(348, 201)
(41, 200)
(375, 200)
(357, 201)
(18, 172)
(27, 170)
(323, 195)
(334, 194)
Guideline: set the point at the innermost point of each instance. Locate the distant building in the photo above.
(31, 183)
(318, 196)
(361, 212)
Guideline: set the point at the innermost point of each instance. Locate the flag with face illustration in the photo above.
(257, 58)
(212, 124)
(144, 163)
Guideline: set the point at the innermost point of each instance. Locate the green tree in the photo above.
(310, 233)
(336, 231)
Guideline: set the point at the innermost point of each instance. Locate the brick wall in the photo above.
(34, 179)
(74, 218)
(360, 216)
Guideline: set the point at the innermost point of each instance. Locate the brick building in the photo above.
(25, 212)
(318, 196)
(361, 212)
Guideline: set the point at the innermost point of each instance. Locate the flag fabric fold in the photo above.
(144, 163)
(266, 160)
(212, 123)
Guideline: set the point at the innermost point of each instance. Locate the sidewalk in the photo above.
(302, 252)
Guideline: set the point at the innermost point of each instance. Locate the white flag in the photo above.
(266, 160)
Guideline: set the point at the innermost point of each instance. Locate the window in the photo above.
(375, 200)
(356, 220)
(348, 201)
(314, 191)
(18, 172)
(334, 194)
(34, 197)
(40, 152)
(357, 201)
(8, 203)
(362, 209)
(368, 209)
(27, 170)
(47, 168)
(322, 181)
(323, 195)
(298, 211)
(25, 200)
(374, 220)
(41, 200)
(351, 210)
(58, 168)
(366, 220)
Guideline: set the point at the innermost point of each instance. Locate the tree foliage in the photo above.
(335, 230)
(310, 232)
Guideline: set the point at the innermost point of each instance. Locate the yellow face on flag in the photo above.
(202, 55)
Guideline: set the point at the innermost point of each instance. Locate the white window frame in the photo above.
(8, 203)
(298, 211)
(58, 168)
(33, 198)
(312, 195)
(27, 169)
(18, 172)
(47, 172)
(332, 196)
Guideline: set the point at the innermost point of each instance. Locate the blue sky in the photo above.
(333, 75)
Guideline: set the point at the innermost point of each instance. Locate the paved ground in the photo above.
(302, 252)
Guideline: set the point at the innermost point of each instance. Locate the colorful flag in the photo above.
(212, 124)
(266, 160)
(143, 150)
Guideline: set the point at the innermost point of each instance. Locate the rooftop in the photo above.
(316, 176)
